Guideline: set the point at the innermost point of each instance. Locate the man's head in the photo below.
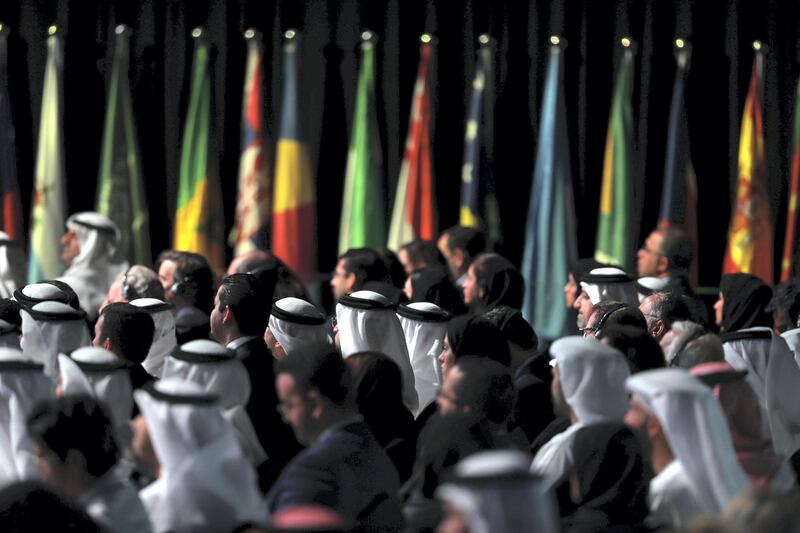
(460, 245)
(89, 236)
(239, 308)
(126, 330)
(665, 252)
(312, 389)
(661, 310)
(187, 279)
(136, 282)
(354, 268)
(419, 254)
(610, 313)
(479, 387)
(785, 305)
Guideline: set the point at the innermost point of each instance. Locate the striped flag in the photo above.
(550, 239)
(10, 206)
(253, 204)
(750, 236)
(616, 238)
(414, 214)
(478, 202)
(199, 223)
(294, 204)
(679, 189)
(789, 262)
(49, 200)
(363, 211)
(120, 192)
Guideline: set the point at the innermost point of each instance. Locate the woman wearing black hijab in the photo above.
(473, 335)
(493, 280)
(742, 303)
(433, 285)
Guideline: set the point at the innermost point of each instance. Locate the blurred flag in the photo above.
(49, 201)
(199, 222)
(120, 191)
(294, 204)
(750, 236)
(363, 210)
(251, 226)
(550, 239)
(616, 236)
(10, 206)
(414, 214)
(789, 263)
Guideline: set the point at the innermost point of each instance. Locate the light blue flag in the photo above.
(550, 240)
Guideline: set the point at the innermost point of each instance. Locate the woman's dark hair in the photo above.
(500, 281)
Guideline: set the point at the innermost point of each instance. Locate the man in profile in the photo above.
(667, 253)
(460, 246)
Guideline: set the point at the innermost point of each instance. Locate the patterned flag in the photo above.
(10, 207)
(616, 239)
(478, 202)
(49, 201)
(120, 193)
(251, 227)
(414, 214)
(750, 236)
(294, 205)
(789, 263)
(363, 212)
(550, 239)
(679, 190)
(199, 223)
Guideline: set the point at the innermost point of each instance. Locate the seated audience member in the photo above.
(473, 335)
(354, 269)
(750, 344)
(46, 291)
(127, 331)
(649, 286)
(76, 453)
(90, 248)
(589, 387)
(23, 385)
(204, 481)
(667, 254)
(12, 266)
(419, 254)
(188, 284)
(661, 310)
(50, 328)
(138, 281)
(10, 323)
(378, 386)
(691, 453)
(367, 322)
(460, 246)
(164, 338)
(492, 491)
(766, 470)
(249, 261)
(640, 349)
(492, 280)
(609, 481)
(610, 313)
(688, 344)
(297, 327)
(343, 467)
(605, 283)
(392, 284)
(572, 289)
(785, 309)
(30, 506)
(433, 285)
(521, 338)
(278, 279)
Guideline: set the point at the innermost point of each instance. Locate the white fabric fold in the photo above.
(43, 340)
(424, 342)
(164, 339)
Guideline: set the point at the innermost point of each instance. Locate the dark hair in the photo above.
(786, 296)
(516, 329)
(670, 307)
(500, 280)
(433, 284)
(486, 386)
(130, 330)
(474, 335)
(326, 373)
(244, 295)
(366, 264)
(76, 422)
(9, 311)
(611, 313)
(422, 254)
(677, 248)
(395, 273)
(641, 350)
(470, 240)
(193, 270)
(30, 506)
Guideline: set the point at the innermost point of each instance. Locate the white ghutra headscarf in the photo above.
(299, 327)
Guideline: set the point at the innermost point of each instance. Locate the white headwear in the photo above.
(22, 386)
(424, 326)
(216, 369)
(164, 339)
(205, 482)
(12, 266)
(44, 291)
(592, 379)
(367, 322)
(50, 328)
(697, 432)
(93, 271)
(649, 285)
(299, 327)
(610, 283)
(496, 494)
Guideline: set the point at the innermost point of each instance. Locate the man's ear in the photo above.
(653, 427)
(458, 258)
(107, 345)
(660, 329)
(227, 316)
(350, 280)
(663, 264)
(315, 403)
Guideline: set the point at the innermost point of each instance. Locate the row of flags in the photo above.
(277, 211)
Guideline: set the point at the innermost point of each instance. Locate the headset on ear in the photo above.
(181, 287)
(129, 292)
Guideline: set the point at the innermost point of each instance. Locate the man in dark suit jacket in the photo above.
(343, 468)
(238, 320)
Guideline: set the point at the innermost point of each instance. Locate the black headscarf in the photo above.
(745, 301)
(432, 284)
(474, 335)
(500, 280)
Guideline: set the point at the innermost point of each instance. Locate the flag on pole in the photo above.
(10, 206)
(49, 201)
(253, 204)
(550, 238)
(199, 223)
(750, 236)
(120, 192)
(679, 189)
(363, 211)
(478, 201)
(414, 214)
(294, 203)
(616, 237)
(789, 262)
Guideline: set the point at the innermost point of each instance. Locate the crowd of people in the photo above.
(171, 399)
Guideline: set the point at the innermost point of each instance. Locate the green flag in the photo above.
(363, 210)
(120, 192)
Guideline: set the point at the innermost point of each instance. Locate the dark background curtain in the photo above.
(721, 32)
